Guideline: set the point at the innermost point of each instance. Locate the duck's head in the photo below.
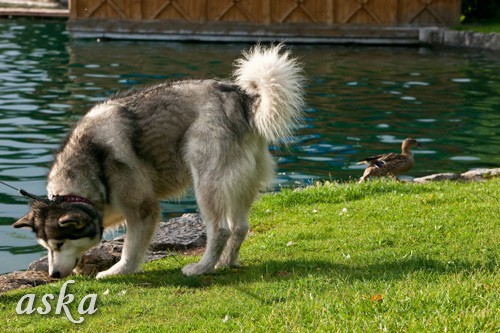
(410, 143)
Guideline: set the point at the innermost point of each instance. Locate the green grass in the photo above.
(375, 257)
(489, 26)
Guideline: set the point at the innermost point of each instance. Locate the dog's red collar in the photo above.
(73, 199)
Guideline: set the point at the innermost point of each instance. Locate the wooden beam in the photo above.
(35, 12)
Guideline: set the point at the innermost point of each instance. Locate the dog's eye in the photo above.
(59, 245)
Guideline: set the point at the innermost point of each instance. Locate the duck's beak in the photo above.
(419, 145)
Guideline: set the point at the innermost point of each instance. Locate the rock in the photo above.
(480, 174)
(23, 279)
(437, 177)
(99, 258)
(178, 234)
(40, 265)
(473, 175)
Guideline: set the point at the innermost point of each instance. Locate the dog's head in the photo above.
(66, 230)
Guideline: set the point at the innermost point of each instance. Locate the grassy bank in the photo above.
(380, 256)
(483, 26)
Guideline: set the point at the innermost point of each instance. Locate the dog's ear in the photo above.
(26, 221)
(71, 220)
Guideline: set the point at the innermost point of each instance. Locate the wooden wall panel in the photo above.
(102, 9)
(175, 10)
(425, 12)
(302, 11)
(274, 12)
(247, 11)
(366, 12)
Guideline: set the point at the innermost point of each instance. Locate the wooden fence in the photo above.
(254, 17)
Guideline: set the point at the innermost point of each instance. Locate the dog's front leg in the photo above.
(141, 224)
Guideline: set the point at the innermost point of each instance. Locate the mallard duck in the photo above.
(391, 164)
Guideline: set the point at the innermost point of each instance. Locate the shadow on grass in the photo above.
(274, 270)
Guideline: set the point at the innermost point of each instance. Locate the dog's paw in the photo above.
(109, 272)
(116, 269)
(196, 269)
(103, 274)
(228, 263)
(222, 266)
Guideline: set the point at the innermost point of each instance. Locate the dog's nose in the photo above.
(55, 275)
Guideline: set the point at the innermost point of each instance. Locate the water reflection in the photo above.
(361, 102)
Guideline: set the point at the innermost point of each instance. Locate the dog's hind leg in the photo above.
(141, 223)
(238, 225)
(250, 182)
(209, 203)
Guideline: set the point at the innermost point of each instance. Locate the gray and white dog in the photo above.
(142, 145)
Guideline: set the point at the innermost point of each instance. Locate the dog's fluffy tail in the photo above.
(277, 81)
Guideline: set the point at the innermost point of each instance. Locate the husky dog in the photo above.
(142, 145)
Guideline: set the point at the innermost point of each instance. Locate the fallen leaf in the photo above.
(377, 298)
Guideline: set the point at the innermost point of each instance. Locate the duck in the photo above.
(391, 164)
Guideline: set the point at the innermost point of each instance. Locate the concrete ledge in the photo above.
(453, 38)
(242, 32)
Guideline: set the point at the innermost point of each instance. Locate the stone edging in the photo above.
(453, 38)
(474, 175)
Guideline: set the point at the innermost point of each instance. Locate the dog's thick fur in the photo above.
(137, 147)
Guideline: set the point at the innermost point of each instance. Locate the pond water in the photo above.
(361, 101)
